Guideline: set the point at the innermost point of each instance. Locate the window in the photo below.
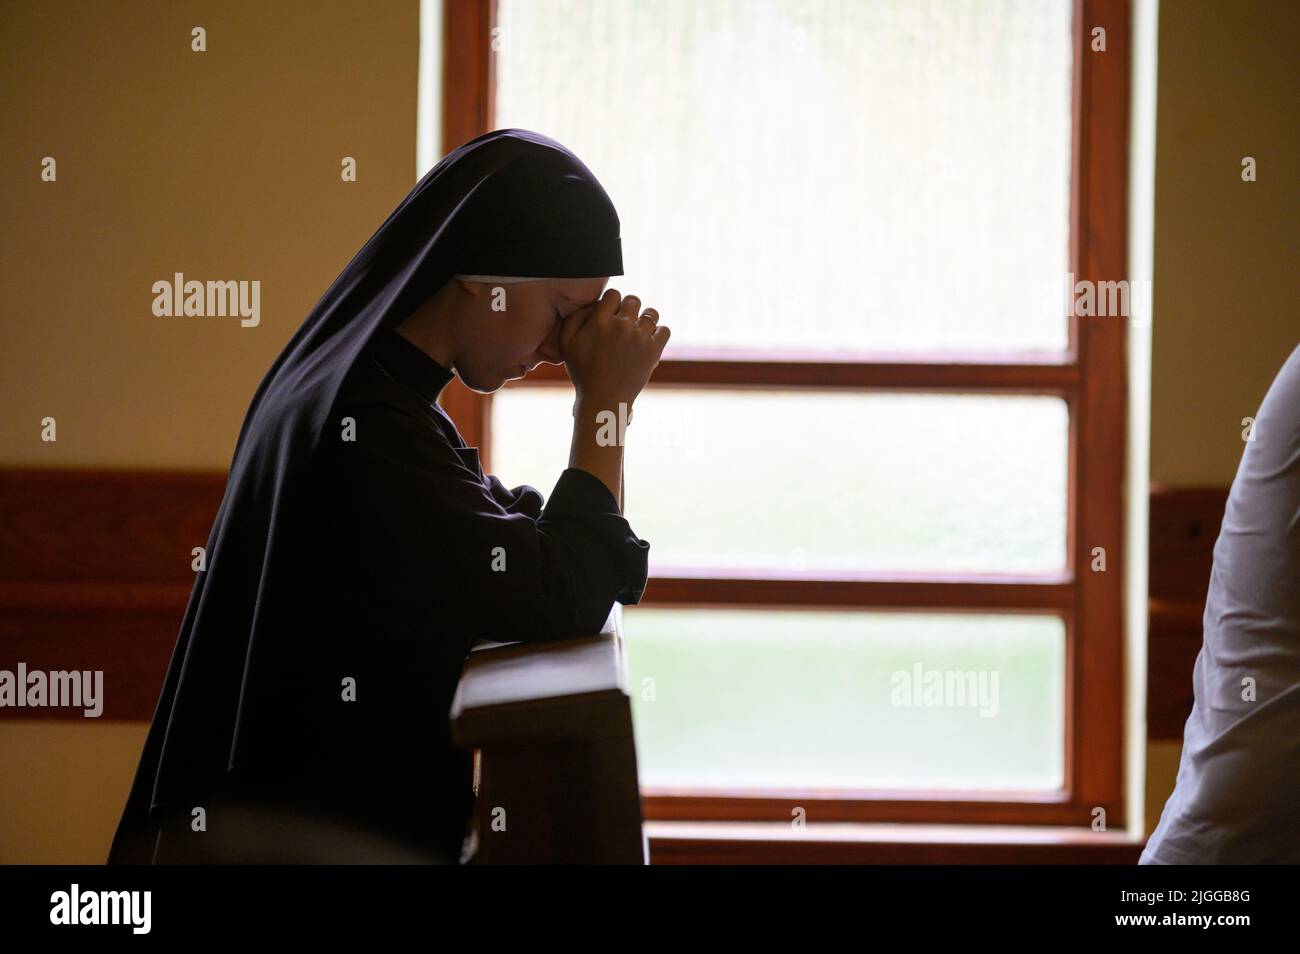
(880, 464)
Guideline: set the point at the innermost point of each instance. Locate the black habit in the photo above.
(360, 550)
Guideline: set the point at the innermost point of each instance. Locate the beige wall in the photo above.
(1227, 278)
(62, 787)
(222, 165)
(170, 160)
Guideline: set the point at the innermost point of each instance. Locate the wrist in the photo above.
(590, 405)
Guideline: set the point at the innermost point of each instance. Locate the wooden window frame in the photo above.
(1089, 376)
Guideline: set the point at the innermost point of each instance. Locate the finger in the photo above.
(609, 302)
(630, 307)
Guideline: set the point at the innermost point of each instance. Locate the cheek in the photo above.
(532, 335)
(501, 336)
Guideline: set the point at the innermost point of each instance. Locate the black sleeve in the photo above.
(495, 568)
(522, 499)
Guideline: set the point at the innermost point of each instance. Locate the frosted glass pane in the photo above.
(889, 175)
(821, 481)
(847, 700)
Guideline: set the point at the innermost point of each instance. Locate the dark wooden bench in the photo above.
(555, 772)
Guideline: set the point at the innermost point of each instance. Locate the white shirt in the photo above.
(1237, 798)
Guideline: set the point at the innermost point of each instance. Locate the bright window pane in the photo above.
(887, 175)
(847, 700)
(821, 481)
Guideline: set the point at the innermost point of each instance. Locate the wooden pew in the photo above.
(555, 768)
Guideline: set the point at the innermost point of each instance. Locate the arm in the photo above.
(610, 351)
(586, 453)
(491, 571)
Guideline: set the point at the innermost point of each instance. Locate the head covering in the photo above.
(498, 279)
(510, 202)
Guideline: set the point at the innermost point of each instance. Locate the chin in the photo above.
(484, 385)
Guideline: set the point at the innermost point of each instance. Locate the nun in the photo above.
(360, 550)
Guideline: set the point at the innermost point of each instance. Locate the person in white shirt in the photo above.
(1237, 797)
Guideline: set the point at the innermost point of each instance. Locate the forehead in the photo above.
(580, 289)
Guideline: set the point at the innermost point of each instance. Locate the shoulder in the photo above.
(368, 383)
(377, 419)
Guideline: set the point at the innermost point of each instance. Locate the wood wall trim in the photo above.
(468, 91)
(706, 843)
(104, 526)
(1098, 252)
(934, 593)
(838, 807)
(24, 596)
(1184, 525)
(731, 370)
(95, 573)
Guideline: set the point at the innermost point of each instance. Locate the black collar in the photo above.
(409, 365)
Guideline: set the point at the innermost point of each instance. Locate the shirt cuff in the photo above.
(579, 492)
(584, 497)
